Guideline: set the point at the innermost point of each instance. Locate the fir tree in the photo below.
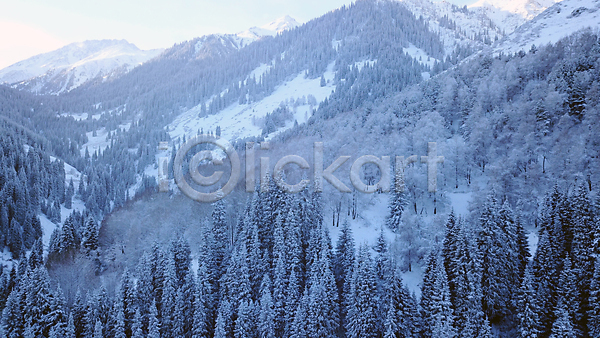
(266, 319)
(98, 330)
(402, 315)
(224, 325)
(396, 206)
(593, 324)
(136, 327)
(245, 321)
(362, 318)
(90, 236)
(154, 324)
(527, 308)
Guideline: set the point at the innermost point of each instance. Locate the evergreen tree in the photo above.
(437, 314)
(136, 327)
(266, 319)
(396, 206)
(527, 308)
(70, 329)
(362, 318)
(584, 227)
(69, 195)
(203, 300)
(118, 317)
(402, 315)
(245, 321)
(593, 324)
(98, 330)
(224, 325)
(154, 324)
(90, 236)
(496, 266)
(449, 250)
(563, 326)
(299, 326)
(343, 261)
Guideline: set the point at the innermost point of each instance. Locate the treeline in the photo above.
(276, 274)
(30, 183)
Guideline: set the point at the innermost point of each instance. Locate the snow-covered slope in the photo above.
(557, 22)
(244, 120)
(508, 15)
(69, 67)
(456, 25)
(224, 43)
(270, 29)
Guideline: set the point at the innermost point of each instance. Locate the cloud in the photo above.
(20, 41)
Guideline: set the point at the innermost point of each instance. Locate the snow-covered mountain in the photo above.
(557, 22)
(243, 39)
(456, 25)
(75, 64)
(270, 29)
(508, 15)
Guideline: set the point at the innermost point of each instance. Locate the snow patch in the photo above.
(240, 121)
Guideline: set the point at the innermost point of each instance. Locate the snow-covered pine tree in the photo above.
(362, 319)
(582, 255)
(98, 330)
(245, 323)
(496, 268)
(396, 205)
(266, 316)
(224, 324)
(70, 329)
(527, 307)
(563, 325)
(343, 262)
(89, 241)
(220, 240)
(299, 326)
(401, 318)
(117, 317)
(154, 323)
(136, 327)
(169, 301)
(449, 250)
(184, 308)
(593, 324)
(468, 302)
(437, 314)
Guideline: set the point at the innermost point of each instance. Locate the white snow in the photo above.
(270, 29)
(420, 55)
(414, 279)
(532, 242)
(99, 142)
(47, 229)
(361, 64)
(240, 121)
(460, 202)
(469, 23)
(6, 261)
(508, 15)
(557, 22)
(77, 63)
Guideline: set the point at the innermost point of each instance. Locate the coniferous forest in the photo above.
(508, 245)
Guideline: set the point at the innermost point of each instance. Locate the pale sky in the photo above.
(31, 27)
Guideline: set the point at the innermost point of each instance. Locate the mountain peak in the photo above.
(74, 64)
(527, 9)
(284, 23)
(510, 14)
(271, 29)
